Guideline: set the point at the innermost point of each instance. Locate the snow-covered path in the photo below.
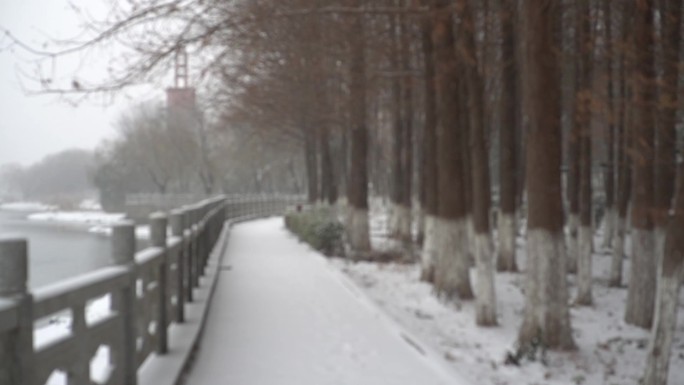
(281, 315)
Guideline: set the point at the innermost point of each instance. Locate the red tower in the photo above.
(181, 96)
(181, 106)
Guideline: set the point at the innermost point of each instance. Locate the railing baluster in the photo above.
(177, 228)
(79, 373)
(16, 346)
(158, 228)
(123, 254)
(197, 246)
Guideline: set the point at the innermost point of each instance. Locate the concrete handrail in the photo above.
(148, 291)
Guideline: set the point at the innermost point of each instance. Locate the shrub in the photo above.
(319, 228)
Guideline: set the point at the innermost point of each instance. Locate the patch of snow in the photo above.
(97, 222)
(78, 217)
(90, 205)
(26, 206)
(609, 350)
(141, 232)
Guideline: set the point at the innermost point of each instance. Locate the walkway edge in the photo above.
(184, 339)
(424, 351)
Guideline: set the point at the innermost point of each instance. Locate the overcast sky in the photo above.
(34, 126)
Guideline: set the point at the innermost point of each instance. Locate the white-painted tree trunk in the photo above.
(485, 294)
(470, 240)
(584, 270)
(420, 225)
(659, 239)
(609, 228)
(615, 279)
(546, 310)
(533, 316)
(507, 232)
(452, 279)
(358, 229)
(573, 242)
(557, 329)
(400, 221)
(642, 280)
(662, 334)
(429, 248)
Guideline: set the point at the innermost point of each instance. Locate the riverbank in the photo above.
(62, 244)
(89, 217)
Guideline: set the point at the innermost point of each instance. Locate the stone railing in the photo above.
(148, 291)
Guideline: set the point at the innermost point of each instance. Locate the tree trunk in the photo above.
(507, 141)
(642, 281)
(429, 152)
(623, 193)
(624, 175)
(584, 124)
(485, 306)
(546, 315)
(570, 67)
(609, 175)
(662, 334)
(407, 153)
(328, 182)
(402, 157)
(574, 145)
(670, 249)
(311, 156)
(398, 212)
(665, 155)
(586, 233)
(357, 188)
(465, 145)
(452, 278)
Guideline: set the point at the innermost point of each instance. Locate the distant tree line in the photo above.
(62, 178)
(152, 154)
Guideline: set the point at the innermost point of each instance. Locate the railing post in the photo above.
(196, 246)
(123, 254)
(177, 228)
(16, 346)
(187, 252)
(202, 240)
(158, 225)
(204, 210)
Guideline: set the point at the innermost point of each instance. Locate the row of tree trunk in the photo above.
(458, 107)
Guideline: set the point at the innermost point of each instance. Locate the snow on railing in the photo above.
(147, 292)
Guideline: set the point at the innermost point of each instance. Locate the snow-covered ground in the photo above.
(78, 217)
(282, 315)
(97, 222)
(90, 204)
(609, 351)
(26, 206)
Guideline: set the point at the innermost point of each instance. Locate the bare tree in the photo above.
(546, 309)
(642, 280)
(584, 131)
(666, 309)
(507, 139)
(481, 191)
(357, 188)
(429, 153)
(622, 142)
(451, 247)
